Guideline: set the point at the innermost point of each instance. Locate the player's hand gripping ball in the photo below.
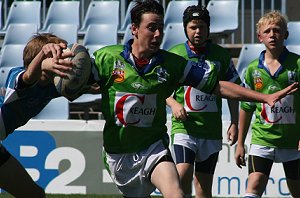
(72, 86)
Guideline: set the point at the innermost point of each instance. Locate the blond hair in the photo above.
(273, 17)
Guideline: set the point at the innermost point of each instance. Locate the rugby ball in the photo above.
(72, 86)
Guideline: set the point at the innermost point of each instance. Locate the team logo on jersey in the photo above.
(162, 75)
(198, 101)
(273, 88)
(135, 109)
(257, 79)
(283, 112)
(138, 85)
(118, 73)
(291, 77)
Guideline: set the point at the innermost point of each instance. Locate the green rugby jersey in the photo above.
(277, 126)
(134, 99)
(204, 110)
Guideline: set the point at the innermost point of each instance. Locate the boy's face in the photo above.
(149, 34)
(197, 32)
(272, 35)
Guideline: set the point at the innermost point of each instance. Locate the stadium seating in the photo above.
(294, 32)
(248, 53)
(127, 19)
(67, 32)
(11, 55)
(1, 17)
(294, 48)
(100, 35)
(174, 34)
(19, 33)
(3, 75)
(56, 109)
(175, 9)
(101, 12)
(18, 13)
(62, 12)
(127, 35)
(223, 17)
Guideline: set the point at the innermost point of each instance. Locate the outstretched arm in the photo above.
(230, 90)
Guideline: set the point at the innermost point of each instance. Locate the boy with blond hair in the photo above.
(275, 131)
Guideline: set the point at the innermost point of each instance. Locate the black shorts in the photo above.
(263, 165)
(186, 155)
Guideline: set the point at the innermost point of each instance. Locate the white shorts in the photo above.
(276, 154)
(202, 148)
(130, 171)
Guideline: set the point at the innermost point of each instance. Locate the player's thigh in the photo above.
(204, 171)
(184, 159)
(183, 154)
(292, 173)
(165, 177)
(259, 170)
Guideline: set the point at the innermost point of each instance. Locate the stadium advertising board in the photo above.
(65, 157)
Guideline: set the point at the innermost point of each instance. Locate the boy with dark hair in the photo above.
(196, 121)
(135, 81)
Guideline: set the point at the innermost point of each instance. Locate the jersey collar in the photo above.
(157, 59)
(262, 64)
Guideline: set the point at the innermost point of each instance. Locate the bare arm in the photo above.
(178, 110)
(232, 131)
(244, 121)
(230, 90)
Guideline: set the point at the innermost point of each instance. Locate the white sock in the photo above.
(251, 195)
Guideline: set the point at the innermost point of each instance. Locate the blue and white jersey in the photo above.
(21, 103)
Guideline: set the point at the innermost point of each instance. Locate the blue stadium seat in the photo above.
(294, 32)
(127, 35)
(175, 9)
(3, 75)
(56, 109)
(248, 53)
(223, 16)
(62, 12)
(294, 48)
(174, 34)
(19, 13)
(19, 33)
(11, 55)
(127, 19)
(67, 32)
(1, 17)
(100, 35)
(101, 12)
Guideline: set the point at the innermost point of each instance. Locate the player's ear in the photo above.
(134, 29)
(259, 38)
(286, 35)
